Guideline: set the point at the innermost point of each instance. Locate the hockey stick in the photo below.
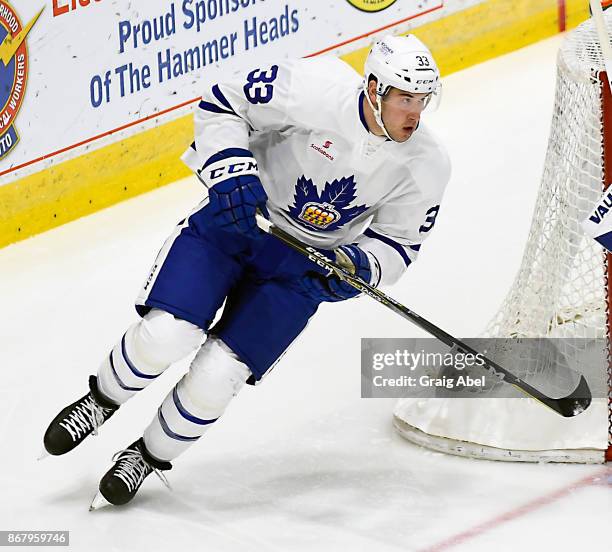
(570, 405)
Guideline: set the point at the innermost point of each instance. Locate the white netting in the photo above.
(560, 290)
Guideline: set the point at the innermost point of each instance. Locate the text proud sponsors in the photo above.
(187, 16)
(195, 15)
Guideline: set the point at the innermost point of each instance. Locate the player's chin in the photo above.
(403, 133)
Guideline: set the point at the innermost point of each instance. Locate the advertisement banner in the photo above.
(96, 69)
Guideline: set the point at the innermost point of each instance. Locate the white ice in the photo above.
(301, 462)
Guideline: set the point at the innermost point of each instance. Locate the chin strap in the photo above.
(378, 112)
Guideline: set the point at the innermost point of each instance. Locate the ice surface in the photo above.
(301, 462)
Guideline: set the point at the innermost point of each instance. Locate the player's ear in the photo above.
(372, 83)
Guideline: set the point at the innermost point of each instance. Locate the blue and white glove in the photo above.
(235, 191)
(332, 288)
(234, 202)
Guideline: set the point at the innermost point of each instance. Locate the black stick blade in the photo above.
(569, 406)
(575, 403)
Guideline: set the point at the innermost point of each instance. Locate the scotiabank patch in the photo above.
(326, 149)
(13, 73)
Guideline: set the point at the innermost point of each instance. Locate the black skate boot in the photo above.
(79, 419)
(121, 483)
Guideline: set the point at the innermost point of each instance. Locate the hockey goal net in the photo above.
(561, 290)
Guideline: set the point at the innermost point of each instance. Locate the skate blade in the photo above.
(43, 454)
(98, 502)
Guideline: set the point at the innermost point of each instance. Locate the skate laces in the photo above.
(85, 417)
(133, 468)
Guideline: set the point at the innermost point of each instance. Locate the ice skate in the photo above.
(121, 483)
(78, 420)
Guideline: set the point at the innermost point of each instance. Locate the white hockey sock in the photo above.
(197, 401)
(144, 352)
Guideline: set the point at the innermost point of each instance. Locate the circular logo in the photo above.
(371, 5)
(13, 75)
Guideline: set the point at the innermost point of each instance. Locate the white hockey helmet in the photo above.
(402, 62)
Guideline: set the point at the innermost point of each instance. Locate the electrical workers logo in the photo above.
(371, 5)
(13, 73)
(328, 211)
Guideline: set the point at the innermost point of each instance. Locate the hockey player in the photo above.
(339, 161)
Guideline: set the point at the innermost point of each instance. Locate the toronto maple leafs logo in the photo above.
(329, 211)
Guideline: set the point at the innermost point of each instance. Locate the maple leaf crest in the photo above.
(329, 211)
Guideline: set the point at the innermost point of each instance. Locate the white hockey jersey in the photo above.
(328, 179)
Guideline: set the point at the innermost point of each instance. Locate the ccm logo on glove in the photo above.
(227, 168)
(331, 288)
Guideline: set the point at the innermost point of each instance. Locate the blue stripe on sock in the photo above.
(171, 433)
(118, 379)
(183, 411)
(133, 368)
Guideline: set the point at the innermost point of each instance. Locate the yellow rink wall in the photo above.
(150, 159)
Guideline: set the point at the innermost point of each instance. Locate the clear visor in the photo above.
(411, 101)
